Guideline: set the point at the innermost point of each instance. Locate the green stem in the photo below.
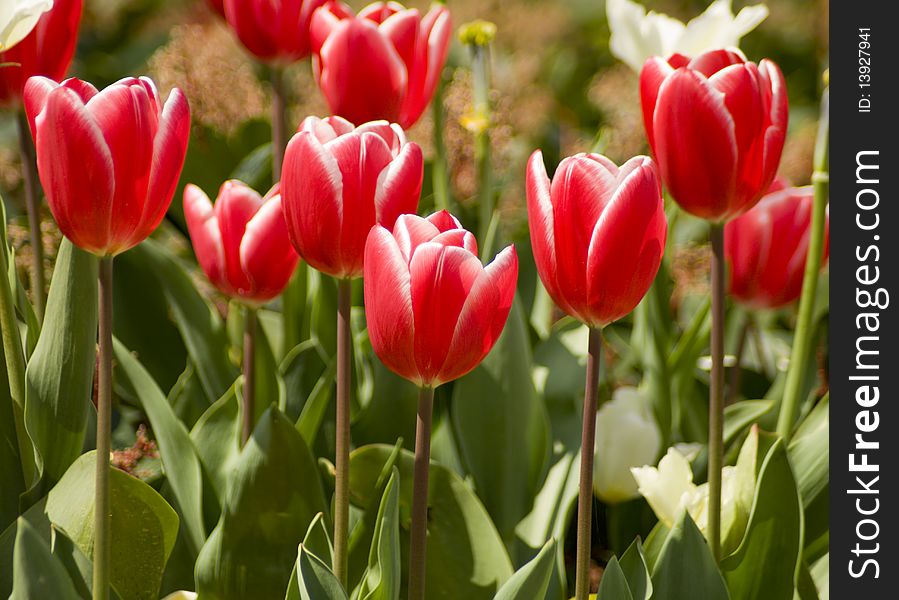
(418, 536)
(439, 170)
(802, 342)
(33, 207)
(249, 375)
(279, 118)
(716, 389)
(102, 516)
(480, 66)
(342, 458)
(588, 445)
(736, 374)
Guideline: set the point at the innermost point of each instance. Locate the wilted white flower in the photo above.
(18, 18)
(638, 34)
(626, 436)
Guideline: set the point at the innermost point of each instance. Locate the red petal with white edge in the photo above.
(76, 170)
(37, 88)
(362, 76)
(266, 256)
(324, 21)
(581, 189)
(740, 85)
(237, 203)
(695, 145)
(430, 56)
(388, 304)
(399, 186)
(205, 236)
(312, 199)
(655, 71)
(709, 63)
(169, 150)
(410, 231)
(401, 28)
(542, 228)
(128, 120)
(627, 245)
(442, 278)
(483, 317)
(772, 79)
(361, 158)
(444, 220)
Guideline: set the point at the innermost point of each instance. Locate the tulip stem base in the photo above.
(419, 533)
(33, 207)
(342, 455)
(102, 515)
(249, 375)
(279, 118)
(716, 389)
(585, 492)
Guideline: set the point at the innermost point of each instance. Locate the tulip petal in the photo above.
(430, 56)
(205, 236)
(411, 231)
(655, 71)
(266, 255)
(401, 28)
(76, 169)
(441, 279)
(236, 205)
(388, 304)
(312, 199)
(740, 85)
(399, 185)
(709, 63)
(695, 144)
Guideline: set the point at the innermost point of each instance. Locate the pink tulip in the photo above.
(598, 233)
(433, 311)
(274, 31)
(338, 181)
(716, 125)
(766, 248)
(109, 161)
(241, 243)
(383, 63)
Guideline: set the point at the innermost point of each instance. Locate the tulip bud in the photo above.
(626, 436)
(241, 243)
(767, 247)
(47, 50)
(433, 311)
(338, 181)
(383, 63)
(274, 31)
(598, 233)
(716, 125)
(109, 161)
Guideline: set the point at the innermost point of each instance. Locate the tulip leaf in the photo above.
(313, 580)
(633, 565)
(318, 539)
(200, 326)
(532, 580)
(810, 452)
(10, 464)
(382, 578)
(37, 574)
(685, 568)
(764, 566)
(466, 557)
(216, 436)
(740, 415)
(316, 405)
(138, 513)
(179, 456)
(59, 377)
(613, 585)
(274, 493)
(301, 370)
(501, 426)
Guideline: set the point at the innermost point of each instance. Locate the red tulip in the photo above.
(433, 311)
(338, 181)
(274, 31)
(598, 233)
(109, 161)
(384, 63)
(766, 248)
(716, 124)
(241, 243)
(47, 50)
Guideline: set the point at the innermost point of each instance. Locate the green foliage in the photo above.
(685, 567)
(532, 580)
(37, 573)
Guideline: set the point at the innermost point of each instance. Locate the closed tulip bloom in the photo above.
(109, 161)
(47, 50)
(383, 63)
(433, 311)
(716, 125)
(274, 31)
(241, 243)
(598, 233)
(338, 181)
(766, 248)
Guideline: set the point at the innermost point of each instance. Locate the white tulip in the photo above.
(18, 18)
(638, 34)
(626, 436)
(181, 595)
